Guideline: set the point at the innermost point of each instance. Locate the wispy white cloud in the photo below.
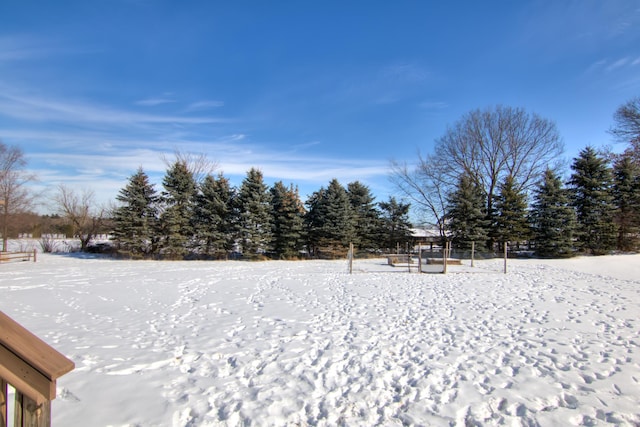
(597, 65)
(25, 47)
(152, 102)
(608, 66)
(88, 144)
(617, 64)
(304, 145)
(561, 29)
(204, 105)
(17, 48)
(36, 108)
(433, 105)
(107, 171)
(405, 73)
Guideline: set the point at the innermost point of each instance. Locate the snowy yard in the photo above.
(305, 343)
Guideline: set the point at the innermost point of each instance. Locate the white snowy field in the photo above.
(305, 343)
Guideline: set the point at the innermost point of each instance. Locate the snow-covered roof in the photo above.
(425, 232)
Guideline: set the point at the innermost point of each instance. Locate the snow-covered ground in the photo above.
(305, 343)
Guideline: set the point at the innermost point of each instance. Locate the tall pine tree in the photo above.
(175, 221)
(330, 221)
(366, 216)
(395, 227)
(552, 218)
(467, 216)
(213, 217)
(511, 224)
(626, 198)
(254, 227)
(590, 186)
(135, 221)
(288, 221)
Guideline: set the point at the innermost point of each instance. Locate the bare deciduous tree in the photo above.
(425, 186)
(14, 194)
(79, 209)
(197, 164)
(494, 143)
(488, 145)
(627, 127)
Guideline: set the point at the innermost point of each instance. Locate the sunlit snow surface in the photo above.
(305, 343)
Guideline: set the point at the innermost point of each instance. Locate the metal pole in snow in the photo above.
(505, 257)
(350, 258)
(473, 250)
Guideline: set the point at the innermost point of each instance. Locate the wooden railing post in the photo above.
(4, 408)
(29, 413)
(31, 367)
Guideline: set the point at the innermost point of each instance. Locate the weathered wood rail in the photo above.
(450, 261)
(31, 367)
(399, 259)
(21, 256)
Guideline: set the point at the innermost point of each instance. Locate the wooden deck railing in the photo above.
(31, 367)
(22, 256)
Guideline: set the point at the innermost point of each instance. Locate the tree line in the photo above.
(494, 177)
(208, 218)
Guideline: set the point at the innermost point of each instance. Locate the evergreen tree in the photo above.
(288, 221)
(366, 216)
(254, 215)
(511, 224)
(467, 215)
(135, 221)
(313, 220)
(213, 217)
(591, 197)
(626, 198)
(553, 220)
(330, 221)
(175, 221)
(396, 228)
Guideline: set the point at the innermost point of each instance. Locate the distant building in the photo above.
(426, 236)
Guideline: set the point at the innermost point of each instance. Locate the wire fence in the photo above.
(447, 258)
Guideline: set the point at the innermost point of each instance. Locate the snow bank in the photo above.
(305, 343)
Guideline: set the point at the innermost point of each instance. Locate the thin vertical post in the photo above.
(408, 258)
(34, 255)
(4, 410)
(18, 420)
(473, 250)
(28, 413)
(445, 254)
(505, 257)
(419, 257)
(350, 258)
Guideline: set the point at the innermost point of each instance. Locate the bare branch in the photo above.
(80, 211)
(14, 195)
(197, 164)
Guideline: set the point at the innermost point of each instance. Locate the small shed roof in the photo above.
(425, 233)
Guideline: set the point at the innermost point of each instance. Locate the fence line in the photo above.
(22, 256)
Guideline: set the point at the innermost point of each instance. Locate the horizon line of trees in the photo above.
(493, 177)
(207, 218)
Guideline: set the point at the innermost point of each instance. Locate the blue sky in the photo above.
(306, 91)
